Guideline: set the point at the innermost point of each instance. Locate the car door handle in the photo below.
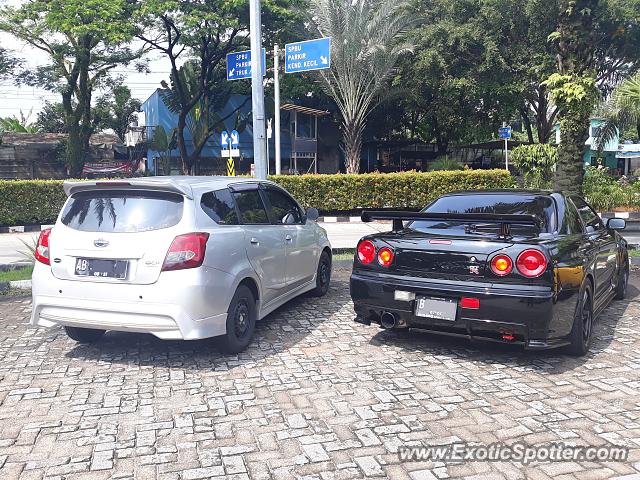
(288, 238)
(254, 241)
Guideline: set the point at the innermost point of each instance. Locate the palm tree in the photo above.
(367, 36)
(622, 110)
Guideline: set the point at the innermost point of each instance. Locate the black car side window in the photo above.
(220, 207)
(251, 207)
(284, 209)
(571, 219)
(590, 219)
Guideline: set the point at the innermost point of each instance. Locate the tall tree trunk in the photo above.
(524, 113)
(570, 169)
(352, 145)
(182, 144)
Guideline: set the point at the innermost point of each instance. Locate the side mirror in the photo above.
(312, 214)
(616, 224)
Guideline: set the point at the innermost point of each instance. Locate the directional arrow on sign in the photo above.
(224, 139)
(324, 60)
(235, 139)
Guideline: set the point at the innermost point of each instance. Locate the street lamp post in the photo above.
(257, 92)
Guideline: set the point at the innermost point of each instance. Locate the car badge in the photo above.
(475, 269)
(100, 242)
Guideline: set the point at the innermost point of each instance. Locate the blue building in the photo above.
(299, 129)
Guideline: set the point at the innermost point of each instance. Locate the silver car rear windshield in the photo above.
(541, 206)
(121, 211)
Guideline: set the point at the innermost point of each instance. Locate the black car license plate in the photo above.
(96, 267)
(438, 308)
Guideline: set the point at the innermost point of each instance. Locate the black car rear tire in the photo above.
(582, 329)
(323, 276)
(241, 321)
(623, 282)
(84, 335)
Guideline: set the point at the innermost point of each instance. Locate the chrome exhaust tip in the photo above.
(388, 320)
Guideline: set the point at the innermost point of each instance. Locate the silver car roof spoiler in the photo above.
(162, 185)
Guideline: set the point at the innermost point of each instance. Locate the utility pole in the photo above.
(257, 91)
(276, 88)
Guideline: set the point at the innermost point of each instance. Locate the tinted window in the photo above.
(541, 206)
(122, 211)
(251, 207)
(571, 219)
(283, 208)
(590, 218)
(220, 207)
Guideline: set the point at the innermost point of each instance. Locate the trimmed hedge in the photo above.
(25, 202)
(30, 202)
(377, 190)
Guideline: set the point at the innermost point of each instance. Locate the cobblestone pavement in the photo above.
(316, 396)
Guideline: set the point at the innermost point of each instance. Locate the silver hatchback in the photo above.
(178, 257)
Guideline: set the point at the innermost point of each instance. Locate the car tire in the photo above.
(84, 335)
(323, 276)
(623, 282)
(582, 329)
(241, 321)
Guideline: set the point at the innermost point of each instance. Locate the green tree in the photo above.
(368, 38)
(204, 31)
(115, 110)
(84, 40)
(163, 143)
(622, 110)
(51, 118)
(7, 63)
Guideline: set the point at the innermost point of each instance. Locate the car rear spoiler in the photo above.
(162, 185)
(504, 220)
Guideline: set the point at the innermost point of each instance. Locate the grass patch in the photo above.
(17, 274)
(343, 256)
(634, 252)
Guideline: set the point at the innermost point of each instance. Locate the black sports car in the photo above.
(533, 268)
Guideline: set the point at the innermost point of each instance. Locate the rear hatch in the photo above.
(115, 236)
(439, 256)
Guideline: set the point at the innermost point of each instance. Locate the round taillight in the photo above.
(366, 252)
(501, 265)
(385, 257)
(531, 263)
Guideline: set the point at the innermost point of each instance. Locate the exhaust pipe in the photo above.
(388, 320)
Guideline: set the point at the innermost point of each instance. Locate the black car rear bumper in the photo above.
(514, 314)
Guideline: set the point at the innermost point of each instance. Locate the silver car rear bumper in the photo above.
(181, 305)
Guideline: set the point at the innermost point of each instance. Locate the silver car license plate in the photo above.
(438, 308)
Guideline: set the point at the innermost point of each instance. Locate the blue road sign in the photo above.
(505, 132)
(239, 64)
(308, 55)
(224, 139)
(235, 139)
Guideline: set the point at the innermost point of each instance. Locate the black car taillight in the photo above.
(501, 265)
(385, 257)
(42, 247)
(186, 251)
(531, 263)
(366, 252)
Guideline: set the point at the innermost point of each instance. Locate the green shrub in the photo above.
(536, 163)
(445, 163)
(342, 192)
(605, 192)
(24, 202)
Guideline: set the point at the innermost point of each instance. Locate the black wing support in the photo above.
(504, 220)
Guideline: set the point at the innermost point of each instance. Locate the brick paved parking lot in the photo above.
(316, 396)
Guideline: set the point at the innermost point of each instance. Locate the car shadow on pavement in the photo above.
(280, 330)
(553, 361)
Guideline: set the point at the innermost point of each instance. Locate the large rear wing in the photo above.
(504, 220)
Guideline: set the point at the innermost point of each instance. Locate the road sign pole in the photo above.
(257, 91)
(506, 153)
(276, 87)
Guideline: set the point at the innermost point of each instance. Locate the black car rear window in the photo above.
(541, 206)
(122, 211)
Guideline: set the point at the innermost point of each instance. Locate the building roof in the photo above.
(103, 140)
(301, 109)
